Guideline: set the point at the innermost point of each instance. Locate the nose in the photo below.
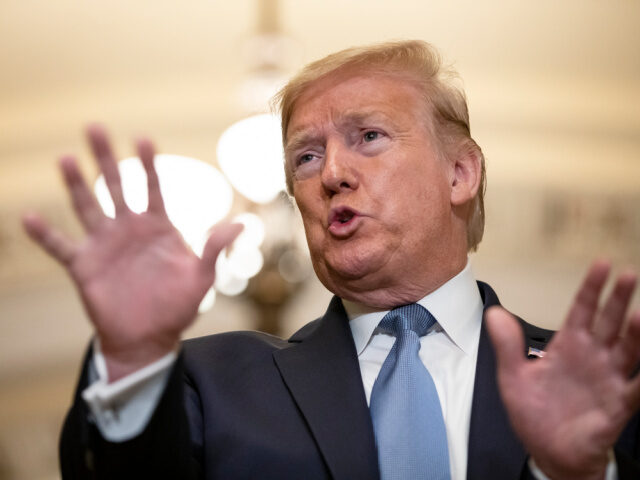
(338, 172)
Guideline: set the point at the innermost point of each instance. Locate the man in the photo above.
(389, 183)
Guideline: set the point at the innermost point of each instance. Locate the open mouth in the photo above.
(341, 216)
(345, 216)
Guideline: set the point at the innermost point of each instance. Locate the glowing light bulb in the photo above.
(251, 156)
(253, 233)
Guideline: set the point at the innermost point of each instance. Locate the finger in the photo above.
(101, 148)
(84, 203)
(585, 304)
(146, 153)
(626, 353)
(508, 342)
(607, 328)
(52, 241)
(221, 236)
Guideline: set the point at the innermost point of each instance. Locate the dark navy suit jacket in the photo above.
(248, 405)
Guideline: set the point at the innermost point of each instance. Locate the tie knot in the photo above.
(408, 317)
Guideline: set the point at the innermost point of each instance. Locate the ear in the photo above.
(466, 175)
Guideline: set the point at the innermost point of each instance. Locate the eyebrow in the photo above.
(299, 139)
(309, 135)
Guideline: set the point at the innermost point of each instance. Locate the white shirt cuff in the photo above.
(122, 409)
(610, 474)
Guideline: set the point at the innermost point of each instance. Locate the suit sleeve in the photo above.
(164, 449)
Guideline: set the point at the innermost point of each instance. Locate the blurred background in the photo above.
(554, 97)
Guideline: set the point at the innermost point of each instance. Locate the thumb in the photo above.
(507, 339)
(222, 235)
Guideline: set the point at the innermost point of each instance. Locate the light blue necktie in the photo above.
(405, 409)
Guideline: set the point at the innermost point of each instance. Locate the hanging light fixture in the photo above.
(250, 154)
(250, 151)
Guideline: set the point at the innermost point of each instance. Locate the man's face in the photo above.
(373, 192)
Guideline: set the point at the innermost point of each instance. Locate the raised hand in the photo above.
(140, 283)
(569, 407)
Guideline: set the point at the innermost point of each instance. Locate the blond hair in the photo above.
(445, 102)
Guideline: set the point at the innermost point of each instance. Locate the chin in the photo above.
(353, 265)
(354, 262)
(350, 279)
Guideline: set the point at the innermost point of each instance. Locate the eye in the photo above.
(305, 158)
(370, 136)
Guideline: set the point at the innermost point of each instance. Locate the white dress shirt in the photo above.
(123, 408)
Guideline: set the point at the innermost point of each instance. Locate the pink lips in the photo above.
(343, 221)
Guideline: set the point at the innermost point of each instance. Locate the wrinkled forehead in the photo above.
(313, 89)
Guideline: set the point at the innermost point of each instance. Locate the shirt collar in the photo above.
(456, 305)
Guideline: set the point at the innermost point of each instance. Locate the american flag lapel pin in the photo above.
(535, 352)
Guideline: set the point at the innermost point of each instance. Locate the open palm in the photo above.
(570, 407)
(140, 283)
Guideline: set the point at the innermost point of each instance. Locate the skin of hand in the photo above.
(569, 407)
(139, 282)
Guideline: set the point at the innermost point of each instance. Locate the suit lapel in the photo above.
(323, 376)
(494, 450)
